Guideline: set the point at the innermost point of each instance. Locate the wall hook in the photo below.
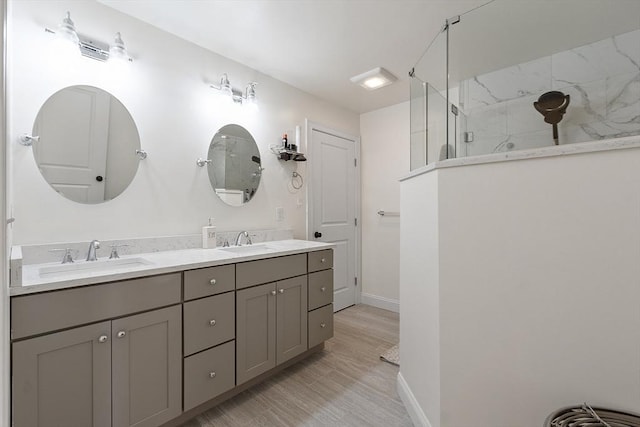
(28, 140)
(201, 162)
(141, 154)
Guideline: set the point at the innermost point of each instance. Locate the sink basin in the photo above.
(249, 249)
(91, 266)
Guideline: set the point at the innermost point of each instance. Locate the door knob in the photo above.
(317, 234)
(99, 178)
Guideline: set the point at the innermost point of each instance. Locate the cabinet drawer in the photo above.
(209, 281)
(208, 322)
(270, 270)
(320, 325)
(208, 374)
(320, 289)
(50, 311)
(320, 260)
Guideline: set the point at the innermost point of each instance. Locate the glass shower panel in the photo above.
(584, 57)
(437, 126)
(418, 124)
(428, 104)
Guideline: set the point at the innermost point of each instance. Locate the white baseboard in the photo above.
(380, 302)
(416, 413)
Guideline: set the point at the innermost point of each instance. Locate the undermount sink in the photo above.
(249, 249)
(90, 266)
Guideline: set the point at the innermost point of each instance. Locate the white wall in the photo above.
(538, 287)
(166, 91)
(4, 238)
(385, 147)
(419, 377)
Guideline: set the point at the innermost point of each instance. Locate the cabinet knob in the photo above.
(103, 338)
(322, 325)
(212, 322)
(212, 281)
(323, 260)
(212, 374)
(281, 291)
(121, 334)
(273, 292)
(322, 289)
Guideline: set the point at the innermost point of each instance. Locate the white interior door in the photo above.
(334, 208)
(72, 151)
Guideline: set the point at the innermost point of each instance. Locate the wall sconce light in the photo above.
(93, 49)
(247, 98)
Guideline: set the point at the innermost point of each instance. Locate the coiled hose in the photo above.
(586, 416)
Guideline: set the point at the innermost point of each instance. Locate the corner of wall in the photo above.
(411, 404)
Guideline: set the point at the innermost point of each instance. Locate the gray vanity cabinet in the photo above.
(291, 318)
(255, 331)
(147, 368)
(320, 296)
(124, 368)
(64, 378)
(271, 323)
(121, 373)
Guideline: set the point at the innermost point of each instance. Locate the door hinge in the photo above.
(355, 280)
(355, 221)
(355, 163)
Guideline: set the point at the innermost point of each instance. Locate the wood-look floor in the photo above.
(345, 385)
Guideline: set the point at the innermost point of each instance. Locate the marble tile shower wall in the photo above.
(602, 78)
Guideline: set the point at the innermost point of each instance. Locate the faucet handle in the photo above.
(68, 256)
(114, 250)
(225, 244)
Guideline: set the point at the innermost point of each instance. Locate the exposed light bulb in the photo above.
(250, 100)
(225, 86)
(67, 30)
(117, 51)
(67, 43)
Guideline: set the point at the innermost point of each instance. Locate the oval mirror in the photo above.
(87, 146)
(235, 168)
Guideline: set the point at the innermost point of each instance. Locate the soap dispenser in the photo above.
(209, 235)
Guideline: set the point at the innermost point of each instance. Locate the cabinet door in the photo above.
(255, 331)
(147, 368)
(291, 319)
(63, 379)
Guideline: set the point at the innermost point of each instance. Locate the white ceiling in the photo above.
(314, 45)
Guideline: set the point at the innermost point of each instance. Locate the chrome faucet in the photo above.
(91, 255)
(247, 238)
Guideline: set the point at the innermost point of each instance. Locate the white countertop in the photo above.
(159, 263)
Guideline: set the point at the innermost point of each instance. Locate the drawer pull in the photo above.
(121, 334)
(212, 374)
(322, 325)
(212, 322)
(273, 292)
(322, 289)
(323, 260)
(103, 338)
(212, 282)
(281, 291)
